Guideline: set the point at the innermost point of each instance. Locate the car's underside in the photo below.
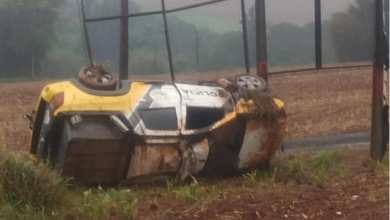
(145, 131)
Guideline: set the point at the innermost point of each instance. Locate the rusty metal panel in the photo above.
(270, 144)
(92, 162)
(193, 157)
(261, 142)
(201, 151)
(154, 160)
(255, 134)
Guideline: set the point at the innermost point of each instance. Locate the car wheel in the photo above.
(250, 82)
(97, 78)
(58, 149)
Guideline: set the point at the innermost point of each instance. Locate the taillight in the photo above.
(57, 101)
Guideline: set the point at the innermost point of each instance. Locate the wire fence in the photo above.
(304, 33)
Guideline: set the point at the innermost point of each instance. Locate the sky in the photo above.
(298, 12)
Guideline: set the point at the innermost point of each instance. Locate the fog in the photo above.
(297, 12)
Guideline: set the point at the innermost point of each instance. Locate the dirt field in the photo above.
(317, 103)
(358, 194)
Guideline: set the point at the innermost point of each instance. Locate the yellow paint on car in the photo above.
(34, 158)
(51, 90)
(244, 107)
(279, 103)
(77, 100)
(228, 117)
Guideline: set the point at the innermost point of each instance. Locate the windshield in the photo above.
(196, 44)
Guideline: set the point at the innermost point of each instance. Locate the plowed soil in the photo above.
(360, 193)
(317, 103)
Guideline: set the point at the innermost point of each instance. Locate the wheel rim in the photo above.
(99, 78)
(249, 82)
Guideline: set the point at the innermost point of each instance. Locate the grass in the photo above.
(99, 203)
(381, 168)
(251, 176)
(35, 192)
(27, 188)
(193, 191)
(302, 167)
(327, 163)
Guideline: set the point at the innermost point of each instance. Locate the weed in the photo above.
(27, 187)
(327, 163)
(295, 166)
(194, 181)
(130, 209)
(189, 192)
(214, 194)
(157, 193)
(321, 163)
(170, 184)
(7, 211)
(126, 200)
(87, 205)
(104, 203)
(380, 167)
(275, 173)
(251, 176)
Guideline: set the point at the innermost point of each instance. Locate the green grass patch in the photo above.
(301, 167)
(99, 203)
(193, 191)
(29, 191)
(382, 166)
(26, 188)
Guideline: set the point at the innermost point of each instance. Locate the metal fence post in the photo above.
(86, 34)
(124, 41)
(167, 39)
(318, 34)
(261, 40)
(245, 36)
(376, 150)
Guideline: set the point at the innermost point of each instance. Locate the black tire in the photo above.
(250, 82)
(58, 149)
(97, 78)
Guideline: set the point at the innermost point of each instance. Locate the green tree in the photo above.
(67, 54)
(226, 53)
(26, 32)
(290, 45)
(352, 31)
(287, 44)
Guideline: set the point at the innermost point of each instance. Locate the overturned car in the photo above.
(152, 130)
(104, 131)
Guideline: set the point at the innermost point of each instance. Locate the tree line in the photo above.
(44, 37)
